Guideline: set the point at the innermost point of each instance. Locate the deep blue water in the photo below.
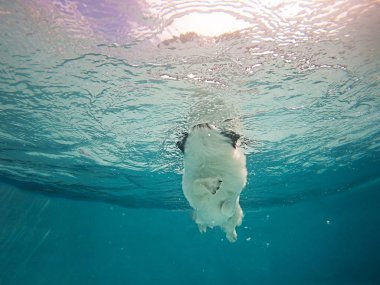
(333, 240)
(95, 94)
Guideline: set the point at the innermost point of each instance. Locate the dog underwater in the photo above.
(215, 174)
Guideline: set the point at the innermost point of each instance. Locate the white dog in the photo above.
(214, 176)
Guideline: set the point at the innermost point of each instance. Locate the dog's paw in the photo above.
(231, 236)
(202, 228)
(215, 185)
(210, 184)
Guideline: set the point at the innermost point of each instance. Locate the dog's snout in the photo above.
(203, 125)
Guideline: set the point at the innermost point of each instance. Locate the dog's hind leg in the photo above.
(228, 207)
(231, 235)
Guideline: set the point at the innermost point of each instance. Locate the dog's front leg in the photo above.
(207, 185)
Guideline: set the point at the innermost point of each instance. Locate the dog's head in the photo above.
(231, 135)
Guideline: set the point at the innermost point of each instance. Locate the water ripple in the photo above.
(95, 95)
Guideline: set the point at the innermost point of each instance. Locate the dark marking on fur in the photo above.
(234, 137)
(182, 142)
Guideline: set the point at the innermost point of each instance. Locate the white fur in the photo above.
(211, 162)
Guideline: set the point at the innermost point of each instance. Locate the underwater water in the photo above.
(94, 96)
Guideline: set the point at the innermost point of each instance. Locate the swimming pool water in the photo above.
(95, 94)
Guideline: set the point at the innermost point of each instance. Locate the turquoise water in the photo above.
(95, 94)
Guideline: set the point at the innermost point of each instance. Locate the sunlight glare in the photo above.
(209, 25)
